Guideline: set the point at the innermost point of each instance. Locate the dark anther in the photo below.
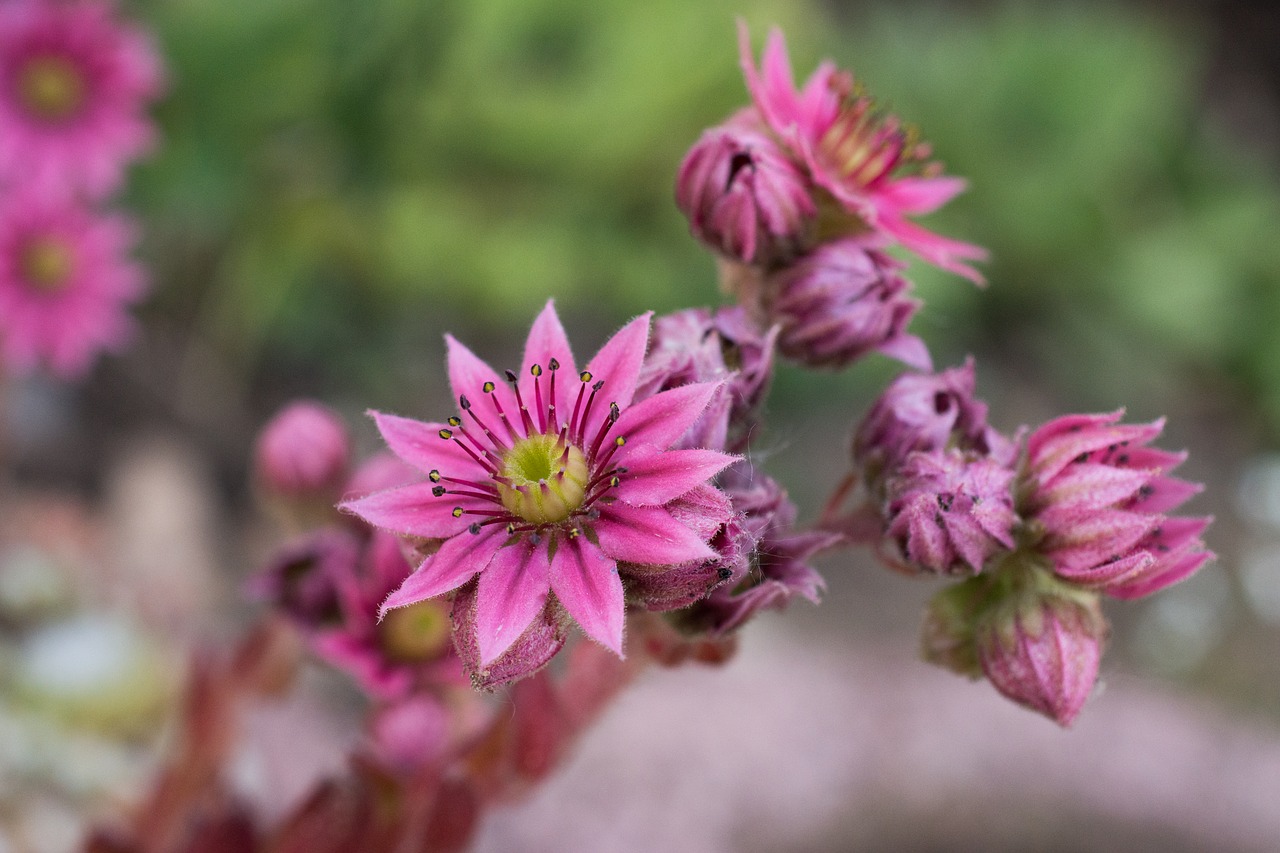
(725, 573)
(457, 512)
(488, 387)
(585, 376)
(454, 421)
(438, 491)
(446, 434)
(464, 402)
(475, 529)
(598, 385)
(553, 365)
(434, 476)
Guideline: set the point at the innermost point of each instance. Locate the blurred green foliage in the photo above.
(339, 179)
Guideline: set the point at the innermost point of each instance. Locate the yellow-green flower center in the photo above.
(51, 87)
(417, 632)
(46, 263)
(543, 481)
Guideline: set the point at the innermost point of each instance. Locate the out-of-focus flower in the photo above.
(743, 196)
(309, 577)
(1097, 498)
(304, 451)
(1041, 647)
(74, 86)
(64, 283)
(841, 301)
(949, 512)
(697, 345)
(926, 411)
(774, 564)
(549, 492)
(857, 154)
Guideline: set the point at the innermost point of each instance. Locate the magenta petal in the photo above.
(648, 536)
(419, 443)
(513, 590)
(657, 476)
(588, 586)
(413, 510)
(664, 417)
(618, 363)
(546, 342)
(922, 195)
(457, 561)
(468, 373)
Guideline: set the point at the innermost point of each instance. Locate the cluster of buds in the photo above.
(74, 86)
(1040, 527)
(798, 194)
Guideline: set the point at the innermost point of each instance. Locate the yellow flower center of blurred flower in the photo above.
(51, 87)
(543, 481)
(417, 632)
(46, 264)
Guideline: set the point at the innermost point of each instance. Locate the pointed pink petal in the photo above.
(648, 536)
(910, 350)
(548, 341)
(921, 195)
(414, 510)
(942, 252)
(1091, 485)
(454, 564)
(467, 376)
(661, 419)
(513, 590)
(588, 586)
(419, 443)
(657, 476)
(618, 365)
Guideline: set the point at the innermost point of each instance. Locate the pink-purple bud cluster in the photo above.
(1081, 510)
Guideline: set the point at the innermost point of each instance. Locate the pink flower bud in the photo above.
(1041, 650)
(842, 301)
(926, 411)
(743, 196)
(1099, 496)
(304, 451)
(948, 512)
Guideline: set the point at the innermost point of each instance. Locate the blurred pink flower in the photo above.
(64, 283)
(548, 494)
(842, 301)
(856, 153)
(1099, 497)
(74, 85)
(743, 196)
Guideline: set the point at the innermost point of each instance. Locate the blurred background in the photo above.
(339, 183)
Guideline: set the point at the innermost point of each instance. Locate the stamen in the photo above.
(524, 411)
(536, 370)
(613, 448)
(586, 410)
(502, 416)
(553, 366)
(483, 462)
(497, 443)
(609, 421)
(577, 405)
(434, 476)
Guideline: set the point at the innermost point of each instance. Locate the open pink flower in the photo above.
(551, 487)
(856, 153)
(74, 85)
(64, 283)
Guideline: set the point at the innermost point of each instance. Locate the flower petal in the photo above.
(657, 476)
(546, 342)
(512, 591)
(648, 536)
(588, 586)
(419, 443)
(413, 510)
(664, 417)
(467, 375)
(457, 561)
(618, 366)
